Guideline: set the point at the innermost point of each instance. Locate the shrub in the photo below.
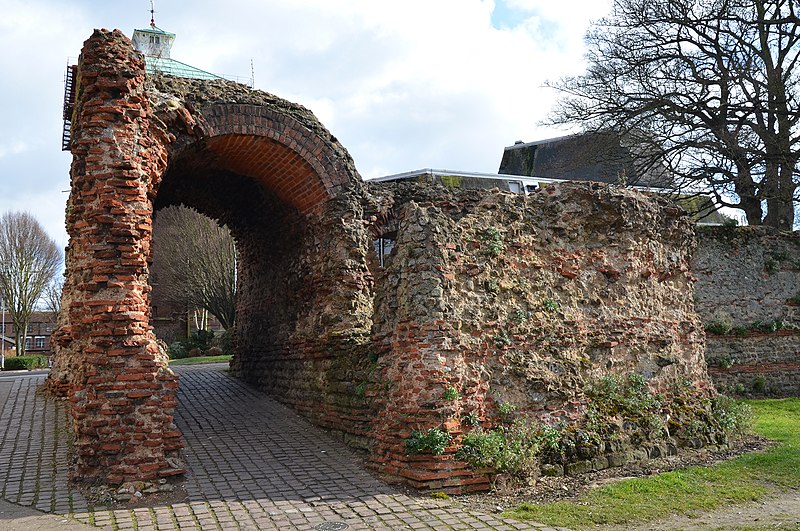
(736, 418)
(198, 344)
(21, 363)
(719, 327)
(481, 448)
(177, 351)
(200, 339)
(760, 383)
(433, 439)
(224, 341)
(508, 449)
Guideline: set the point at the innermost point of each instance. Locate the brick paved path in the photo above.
(253, 464)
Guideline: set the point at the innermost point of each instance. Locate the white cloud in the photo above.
(422, 83)
(13, 148)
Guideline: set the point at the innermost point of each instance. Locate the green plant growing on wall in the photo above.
(491, 241)
(472, 419)
(501, 339)
(519, 316)
(739, 330)
(434, 440)
(511, 449)
(768, 326)
(506, 408)
(451, 393)
(361, 389)
(723, 362)
(550, 305)
(694, 428)
(770, 265)
(627, 396)
(550, 438)
(760, 383)
(718, 327)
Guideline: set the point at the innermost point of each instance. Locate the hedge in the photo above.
(19, 363)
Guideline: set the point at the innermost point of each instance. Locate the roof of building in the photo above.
(155, 30)
(157, 55)
(600, 157)
(160, 65)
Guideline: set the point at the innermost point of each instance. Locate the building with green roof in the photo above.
(156, 45)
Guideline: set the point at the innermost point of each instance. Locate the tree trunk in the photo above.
(752, 210)
(20, 333)
(780, 214)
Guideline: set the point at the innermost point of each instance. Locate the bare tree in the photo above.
(707, 88)
(51, 298)
(197, 262)
(29, 260)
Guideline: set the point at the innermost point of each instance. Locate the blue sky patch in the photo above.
(504, 17)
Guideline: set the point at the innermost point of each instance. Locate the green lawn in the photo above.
(746, 478)
(201, 359)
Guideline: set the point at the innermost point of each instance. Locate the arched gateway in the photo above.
(268, 169)
(490, 306)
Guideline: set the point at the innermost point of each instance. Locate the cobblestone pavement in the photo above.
(253, 464)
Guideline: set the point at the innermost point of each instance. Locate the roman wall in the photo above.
(748, 296)
(488, 301)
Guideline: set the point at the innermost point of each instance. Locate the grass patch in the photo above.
(746, 478)
(201, 359)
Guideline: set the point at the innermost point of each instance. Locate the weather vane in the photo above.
(152, 14)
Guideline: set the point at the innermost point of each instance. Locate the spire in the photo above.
(153, 14)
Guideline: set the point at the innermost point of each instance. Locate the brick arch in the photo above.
(269, 145)
(265, 166)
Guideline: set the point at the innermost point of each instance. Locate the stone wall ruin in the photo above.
(487, 298)
(748, 297)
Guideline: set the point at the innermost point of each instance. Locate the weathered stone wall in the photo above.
(523, 300)
(748, 297)
(487, 299)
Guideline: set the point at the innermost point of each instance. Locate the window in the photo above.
(383, 248)
(39, 342)
(27, 342)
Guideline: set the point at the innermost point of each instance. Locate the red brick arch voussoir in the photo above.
(300, 165)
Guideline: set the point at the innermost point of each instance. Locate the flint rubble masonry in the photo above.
(500, 296)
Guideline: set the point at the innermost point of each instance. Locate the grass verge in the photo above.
(201, 359)
(748, 477)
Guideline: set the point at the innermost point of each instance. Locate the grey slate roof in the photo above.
(599, 157)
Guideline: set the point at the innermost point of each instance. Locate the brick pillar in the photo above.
(122, 393)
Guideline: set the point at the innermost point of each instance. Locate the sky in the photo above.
(443, 84)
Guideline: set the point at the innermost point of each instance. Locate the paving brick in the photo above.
(253, 464)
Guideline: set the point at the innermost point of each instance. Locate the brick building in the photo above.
(37, 340)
